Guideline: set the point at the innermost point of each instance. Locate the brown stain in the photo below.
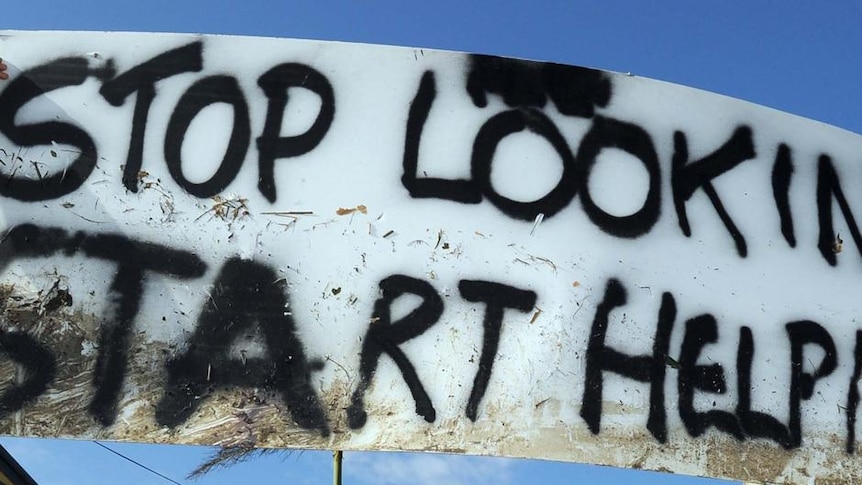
(831, 481)
(58, 411)
(754, 461)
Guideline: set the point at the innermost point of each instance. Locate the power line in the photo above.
(138, 464)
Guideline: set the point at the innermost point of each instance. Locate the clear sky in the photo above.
(803, 60)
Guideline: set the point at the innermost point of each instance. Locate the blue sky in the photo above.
(803, 60)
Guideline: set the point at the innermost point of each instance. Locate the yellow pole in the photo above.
(336, 467)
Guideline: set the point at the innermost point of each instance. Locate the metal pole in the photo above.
(336, 467)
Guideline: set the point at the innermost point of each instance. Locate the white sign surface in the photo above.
(230, 240)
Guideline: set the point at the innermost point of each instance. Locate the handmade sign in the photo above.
(284, 243)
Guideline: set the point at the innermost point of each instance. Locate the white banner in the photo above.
(230, 240)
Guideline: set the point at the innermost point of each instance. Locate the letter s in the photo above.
(29, 85)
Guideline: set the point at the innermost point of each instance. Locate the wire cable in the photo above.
(138, 464)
